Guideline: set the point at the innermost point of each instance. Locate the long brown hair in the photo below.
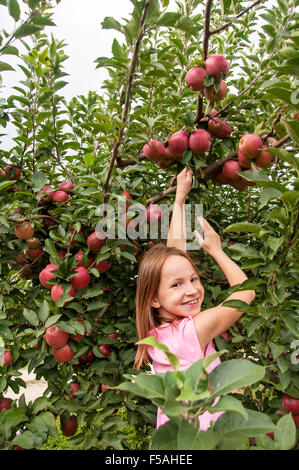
(148, 282)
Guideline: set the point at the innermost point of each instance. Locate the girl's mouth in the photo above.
(191, 303)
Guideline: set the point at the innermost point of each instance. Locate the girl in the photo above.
(170, 294)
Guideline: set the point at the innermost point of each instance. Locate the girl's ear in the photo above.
(155, 303)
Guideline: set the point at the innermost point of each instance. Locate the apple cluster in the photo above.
(250, 149)
(199, 140)
(60, 195)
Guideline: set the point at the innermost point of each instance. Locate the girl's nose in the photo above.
(191, 289)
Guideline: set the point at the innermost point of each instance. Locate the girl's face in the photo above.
(180, 292)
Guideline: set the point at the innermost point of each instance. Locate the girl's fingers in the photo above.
(198, 237)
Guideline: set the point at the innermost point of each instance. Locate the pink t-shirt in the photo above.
(181, 340)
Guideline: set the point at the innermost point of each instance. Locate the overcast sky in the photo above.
(78, 23)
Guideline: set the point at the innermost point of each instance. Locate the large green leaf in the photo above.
(233, 374)
(230, 425)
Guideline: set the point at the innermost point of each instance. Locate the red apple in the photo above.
(219, 128)
(153, 214)
(230, 170)
(105, 348)
(33, 253)
(102, 266)
(47, 274)
(211, 95)
(87, 358)
(60, 196)
(200, 141)
(50, 192)
(74, 389)
(7, 358)
(178, 143)
(265, 159)
(195, 78)
(64, 354)
(24, 231)
(56, 337)
(81, 279)
(244, 162)
(154, 150)
(4, 404)
(227, 336)
(95, 241)
(221, 179)
(66, 186)
(290, 404)
(296, 420)
(69, 428)
(113, 335)
(57, 291)
(216, 65)
(250, 146)
(12, 172)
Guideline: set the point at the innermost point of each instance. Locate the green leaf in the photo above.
(231, 425)
(190, 439)
(4, 66)
(44, 311)
(110, 23)
(246, 227)
(31, 316)
(5, 184)
(267, 195)
(26, 30)
(292, 128)
(52, 320)
(233, 374)
(26, 440)
(287, 157)
(168, 19)
(39, 180)
(14, 9)
(165, 438)
(285, 432)
(50, 247)
(10, 50)
(228, 403)
(9, 419)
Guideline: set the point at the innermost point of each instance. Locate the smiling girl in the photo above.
(170, 294)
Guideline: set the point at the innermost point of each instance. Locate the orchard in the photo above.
(208, 85)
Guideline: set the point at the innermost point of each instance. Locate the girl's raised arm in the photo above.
(214, 321)
(177, 230)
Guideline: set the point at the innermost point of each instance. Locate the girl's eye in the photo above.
(176, 284)
(194, 279)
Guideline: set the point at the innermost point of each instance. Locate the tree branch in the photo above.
(226, 25)
(207, 33)
(128, 95)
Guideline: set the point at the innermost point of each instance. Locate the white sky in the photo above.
(78, 23)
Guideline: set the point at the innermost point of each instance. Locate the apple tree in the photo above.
(205, 84)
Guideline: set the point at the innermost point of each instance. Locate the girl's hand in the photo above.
(184, 183)
(211, 243)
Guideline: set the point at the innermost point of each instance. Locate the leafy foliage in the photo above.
(77, 140)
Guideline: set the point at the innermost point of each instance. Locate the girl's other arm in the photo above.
(177, 230)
